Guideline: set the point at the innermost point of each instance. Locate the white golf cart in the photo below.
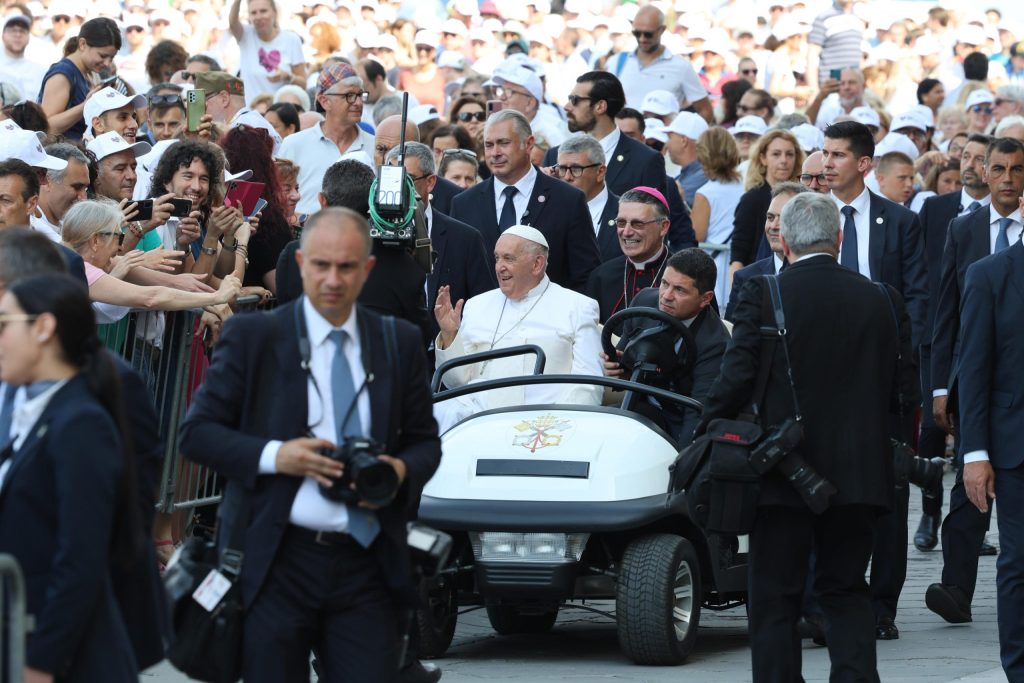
(556, 504)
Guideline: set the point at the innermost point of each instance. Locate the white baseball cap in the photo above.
(386, 41)
(810, 137)
(112, 143)
(752, 125)
(908, 120)
(660, 102)
(241, 175)
(106, 100)
(451, 59)
(897, 142)
(521, 76)
(454, 27)
(925, 113)
(16, 143)
(687, 124)
(652, 129)
(427, 38)
(979, 97)
(422, 113)
(866, 115)
(149, 160)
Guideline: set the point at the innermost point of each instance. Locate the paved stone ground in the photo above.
(583, 646)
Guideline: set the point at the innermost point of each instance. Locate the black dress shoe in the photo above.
(811, 627)
(987, 549)
(417, 672)
(949, 602)
(885, 629)
(927, 536)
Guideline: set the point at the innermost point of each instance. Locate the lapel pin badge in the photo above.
(619, 158)
(879, 220)
(541, 199)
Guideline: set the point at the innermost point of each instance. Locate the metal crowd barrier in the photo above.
(13, 620)
(165, 350)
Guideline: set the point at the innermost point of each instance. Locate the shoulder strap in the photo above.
(623, 56)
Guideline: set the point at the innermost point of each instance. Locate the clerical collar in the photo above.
(654, 259)
(535, 292)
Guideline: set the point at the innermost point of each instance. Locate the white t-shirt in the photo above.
(258, 60)
(23, 74)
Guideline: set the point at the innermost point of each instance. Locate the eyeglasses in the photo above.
(748, 72)
(622, 223)
(417, 178)
(157, 100)
(574, 171)
(467, 116)
(502, 93)
(6, 318)
(120, 236)
(61, 18)
(981, 109)
(806, 178)
(575, 100)
(134, 29)
(645, 34)
(458, 151)
(350, 97)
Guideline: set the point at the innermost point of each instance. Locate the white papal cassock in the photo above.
(560, 321)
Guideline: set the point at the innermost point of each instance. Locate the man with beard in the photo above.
(936, 215)
(837, 99)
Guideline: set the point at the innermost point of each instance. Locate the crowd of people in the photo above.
(571, 158)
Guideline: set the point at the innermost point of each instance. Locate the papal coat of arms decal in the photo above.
(541, 432)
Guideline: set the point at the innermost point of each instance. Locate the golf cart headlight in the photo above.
(505, 546)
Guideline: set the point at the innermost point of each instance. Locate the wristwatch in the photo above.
(209, 251)
(136, 229)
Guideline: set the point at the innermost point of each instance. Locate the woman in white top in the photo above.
(269, 57)
(715, 202)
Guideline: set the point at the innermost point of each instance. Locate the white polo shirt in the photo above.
(667, 72)
(313, 153)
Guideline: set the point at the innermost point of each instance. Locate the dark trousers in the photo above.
(889, 557)
(932, 441)
(780, 546)
(963, 532)
(328, 598)
(1010, 571)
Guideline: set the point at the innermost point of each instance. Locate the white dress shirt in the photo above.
(522, 197)
(310, 509)
(779, 262)
(40, 223)
(596, 207)
(862, 220)
(966, 200)
(609, 143)
(1012, 232)
(26, 413)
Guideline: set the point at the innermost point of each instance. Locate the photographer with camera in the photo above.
(320, 410)
(838, 344)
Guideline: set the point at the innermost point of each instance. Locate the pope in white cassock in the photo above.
(527, 308)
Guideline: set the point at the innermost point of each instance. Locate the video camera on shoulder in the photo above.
(365, 478)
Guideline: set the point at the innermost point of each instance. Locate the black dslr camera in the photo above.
(776, 449)
(365, 477)
(908, 466)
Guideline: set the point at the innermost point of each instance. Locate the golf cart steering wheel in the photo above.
(651, 348)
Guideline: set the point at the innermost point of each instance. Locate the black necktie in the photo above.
(508, 210)
(848, 257)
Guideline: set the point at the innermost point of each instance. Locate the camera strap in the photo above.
(772, 335)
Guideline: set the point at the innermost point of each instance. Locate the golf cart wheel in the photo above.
(509, 620)
(658, 599)
(436, 616)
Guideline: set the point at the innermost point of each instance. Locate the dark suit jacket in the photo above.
(843, 343)
(607, 235)
(680, 231)
(897, 258)
(74, 262)
(765, 266)
(712, 338)
(992, 362)
(748, 224)
(936, 214)
(967, 241)
(557, 209)
(441, 198)
(257, 360)
(631, 164)
(57, 510)
(461, 263)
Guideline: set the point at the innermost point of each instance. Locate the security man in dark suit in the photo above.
(771, 265)
(991, 423)
(936, 214)
(592, 106)
(987, 230)
(831, 313)
(442, 195)
(685, 293)
(284, 387)
(460, 261)
(518, 194)
(582, 164)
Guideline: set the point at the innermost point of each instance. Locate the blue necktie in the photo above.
(7, 413)
(848, 257)
(973, 206)
(362, 524)
(1002, 241)
(508, 210)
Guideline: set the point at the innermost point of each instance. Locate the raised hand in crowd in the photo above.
(449, 317)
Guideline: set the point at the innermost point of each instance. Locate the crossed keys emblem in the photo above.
(541, 432)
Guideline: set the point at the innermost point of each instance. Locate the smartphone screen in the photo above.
(195, 108)
(259, 207)
(836, 74)
(493, 106)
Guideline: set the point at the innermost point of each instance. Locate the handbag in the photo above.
(722, 489)
(205, 597)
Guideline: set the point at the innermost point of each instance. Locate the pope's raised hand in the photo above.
(448, 317)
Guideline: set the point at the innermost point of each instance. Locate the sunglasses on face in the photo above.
(467, 116)
(456, 151)
(748, 72)
(575, 100)
(120, 236)
(645, 34)
(134, 29)
(164, 99)
(981, 109)
(61, 19)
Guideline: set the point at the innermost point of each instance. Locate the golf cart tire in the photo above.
(646, 600)
(510, 620)
(436, 618)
